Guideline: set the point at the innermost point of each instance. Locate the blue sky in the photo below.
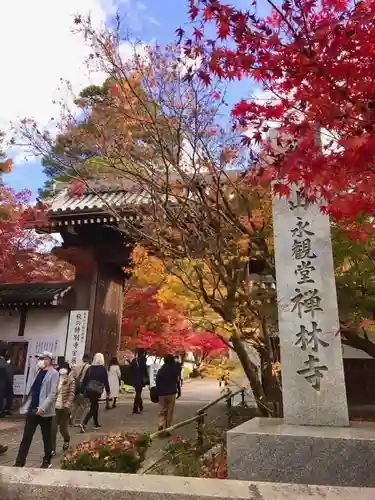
(61, 56)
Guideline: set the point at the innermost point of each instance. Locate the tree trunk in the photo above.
(271, 387)
(251, 371)
(270, 381)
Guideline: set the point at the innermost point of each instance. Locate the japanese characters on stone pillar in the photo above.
(311, 357)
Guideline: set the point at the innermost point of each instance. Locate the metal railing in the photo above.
(201, 414)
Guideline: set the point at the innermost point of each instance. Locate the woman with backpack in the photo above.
(94, 383)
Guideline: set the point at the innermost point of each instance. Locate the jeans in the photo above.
(32, 422)
(93, 411)
(167, 404)
(138, 402)
(60, 422)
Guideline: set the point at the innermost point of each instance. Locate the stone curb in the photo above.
(36, 484)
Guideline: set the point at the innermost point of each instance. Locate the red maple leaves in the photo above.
(25, 255)
(160, 328)
(314, 62)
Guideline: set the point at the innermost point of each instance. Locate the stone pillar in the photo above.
(310, 345)
(314, 444)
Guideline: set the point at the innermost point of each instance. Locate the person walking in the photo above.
(66, 390)
(94, 383)
(167, 387)
(39, 409)
(5, 380)
(9, 393)
(114, 378)
(80, 402)
(180, 365)
(140, 378)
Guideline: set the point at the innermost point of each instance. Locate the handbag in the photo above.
(154, 396)
(94, 388)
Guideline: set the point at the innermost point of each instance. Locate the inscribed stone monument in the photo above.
(311, 356)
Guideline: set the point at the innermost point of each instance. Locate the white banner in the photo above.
(154, 368)
(76, 341)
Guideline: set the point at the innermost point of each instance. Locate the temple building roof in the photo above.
(91, 203)
(96, 205)
(101, 202)
(33, 294)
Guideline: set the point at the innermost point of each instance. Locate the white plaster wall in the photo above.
(44, 329)
(9, 324)
(51, 324)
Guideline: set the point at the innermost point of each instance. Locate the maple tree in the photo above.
(6, 163)
(312, 64)
(355, 283)
(23, 253)
(160, 328)
(98, 126)
(199, 215)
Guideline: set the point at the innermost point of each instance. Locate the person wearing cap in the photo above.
(39, 409)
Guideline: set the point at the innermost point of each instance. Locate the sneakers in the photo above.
(82, 428)
(66, 446)
(3, 449)
(97, 427)
(46, 465)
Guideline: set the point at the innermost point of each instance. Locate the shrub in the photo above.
(182, 457)
(215, 466)
(112, 453)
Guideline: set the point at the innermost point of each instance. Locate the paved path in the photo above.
(195, 395)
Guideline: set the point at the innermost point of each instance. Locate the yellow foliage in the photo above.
(224, 368)
(148, 270)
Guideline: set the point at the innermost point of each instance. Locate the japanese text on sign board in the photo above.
(307, 301)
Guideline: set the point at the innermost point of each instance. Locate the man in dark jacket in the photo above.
(140, 378)
(4, 383)
(5, 378)
(9, 394)
(168, 386)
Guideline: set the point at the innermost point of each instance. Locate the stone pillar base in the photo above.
(266, 449)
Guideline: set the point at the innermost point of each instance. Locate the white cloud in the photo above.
(152, 20)
(38, 49)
